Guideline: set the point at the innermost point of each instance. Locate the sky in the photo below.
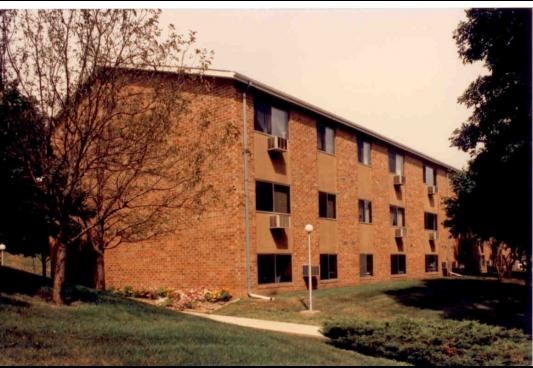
(391, 67)
(394, 71)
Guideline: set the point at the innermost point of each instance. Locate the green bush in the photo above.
(127, 291)
(224, 296)
(438, 343)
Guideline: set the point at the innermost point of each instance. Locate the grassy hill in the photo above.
(102, 329)
(459, 321)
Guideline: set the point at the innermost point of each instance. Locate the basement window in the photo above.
(397, 264)
(328, 266)
(366, 265)
(274, 268)
(432, 263)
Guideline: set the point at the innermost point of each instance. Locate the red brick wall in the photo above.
(304, 187)
(209, 249)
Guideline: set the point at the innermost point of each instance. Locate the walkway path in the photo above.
(292, 328)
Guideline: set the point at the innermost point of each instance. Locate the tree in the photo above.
(493, 195)
(115, 122)
(23, 220)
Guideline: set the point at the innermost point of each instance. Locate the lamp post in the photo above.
(309, 230)
(2, 248)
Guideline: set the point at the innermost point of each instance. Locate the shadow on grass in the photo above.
(13, 281)
(13, 302)
(16, 281)
(485, 300)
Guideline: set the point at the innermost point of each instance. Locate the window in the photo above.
(366, 265)
(430, 175)
(430, 221)
(325, 138)
(397, 264)
(432, 263)
(365, 211)
(272, 197)
(327, 205)
(395, 163)
(270, 120)
(328, 266)
(397, 216)
(274, 268)
(363, 151)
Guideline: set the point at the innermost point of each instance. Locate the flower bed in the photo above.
(196, 298)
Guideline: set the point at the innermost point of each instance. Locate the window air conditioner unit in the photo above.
(433, 235)
(399, 180)
(432, 189)
(280, 221)
(400, 232)
(315, 271)
(277, 144)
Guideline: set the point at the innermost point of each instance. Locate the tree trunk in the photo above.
(59, 274)
(99, 274)
(96, 237)
(528, 271)
(53, 245)
(43, 264)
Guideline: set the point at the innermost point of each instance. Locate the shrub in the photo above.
(127, 291)
(214, 296)
(175, 298)
(45, 293)
(440, 343)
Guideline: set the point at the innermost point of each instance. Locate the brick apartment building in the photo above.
(375, 205)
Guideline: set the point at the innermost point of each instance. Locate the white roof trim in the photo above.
(274, 92)
(216, 73)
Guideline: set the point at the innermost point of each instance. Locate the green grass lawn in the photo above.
(102, 329)
(468, 298)
(464, 321)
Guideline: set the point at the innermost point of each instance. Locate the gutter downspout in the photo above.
(246, 206)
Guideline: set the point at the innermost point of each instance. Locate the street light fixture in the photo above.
(2, 248)
(309, 230)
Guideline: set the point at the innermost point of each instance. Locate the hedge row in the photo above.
(436, 343)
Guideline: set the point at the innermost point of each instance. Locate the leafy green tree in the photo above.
(24, 225)
(493, 195)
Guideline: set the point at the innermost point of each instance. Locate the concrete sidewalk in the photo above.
(285, 327)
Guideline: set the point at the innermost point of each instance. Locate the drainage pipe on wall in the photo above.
(245, 153)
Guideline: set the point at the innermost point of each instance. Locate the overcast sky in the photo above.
(394, 71)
